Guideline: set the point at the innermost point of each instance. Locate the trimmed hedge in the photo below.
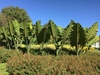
(87, 64)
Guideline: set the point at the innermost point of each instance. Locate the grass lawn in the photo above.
(3, 69)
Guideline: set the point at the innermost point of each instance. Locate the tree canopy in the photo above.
(3, 20)
(16, 13)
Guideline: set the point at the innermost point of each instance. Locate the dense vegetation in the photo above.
(87, 64)
(15, 33)
(19, 36)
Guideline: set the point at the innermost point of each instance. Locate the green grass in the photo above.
(3, 69)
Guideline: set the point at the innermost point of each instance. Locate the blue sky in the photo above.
(86, 12)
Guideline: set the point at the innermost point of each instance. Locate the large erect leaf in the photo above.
(93, 41)
(5, 32)
(82, 36)
(43, 36)
(16, 26)
(77, 35)
(38, 27)
(67, 31)
(60, 30)
(92, 31)
(53, 29)
(25, 27)
(11, 27)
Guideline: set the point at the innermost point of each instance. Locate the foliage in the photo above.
(14, 30)
(91, 33)
(93, 41)
(50, 65)
(78, 37)
(54, 34)
(27, 35)
(3, 69)
(6, 37)
(21, 33)
(91, 37)
(53, 30)
(43, 36)
(67, 31)
(5, 54)
(38, 27)
(16, 13)
(3, 20)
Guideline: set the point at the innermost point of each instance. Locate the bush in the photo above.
(51, 65)
(5, 54)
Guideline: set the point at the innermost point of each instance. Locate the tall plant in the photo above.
(91, 33)
(77, 37)
(6, 37)
(27, 35)
(43, 37)
(42, 34)
(14, 28)
(54, 34)
(65, 35)
(93, 41)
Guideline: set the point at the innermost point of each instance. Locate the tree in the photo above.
(16, 13)
(3, 20)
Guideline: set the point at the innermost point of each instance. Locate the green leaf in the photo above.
(5, 32)
(82, 36)
(93, 41)
(67, 31)
(92, 31)
(77, 35)
(11, 28)
(53, 30)
(60, 30)
(16, 26)
(38, 27)
(43, 36)
(25, 27)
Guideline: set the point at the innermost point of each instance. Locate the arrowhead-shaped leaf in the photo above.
(67, 31)
(53, 30)
(92, 31)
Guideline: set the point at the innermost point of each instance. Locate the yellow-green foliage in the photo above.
(22, 46)
(3, 69)
(67, 46)
(50, 46)
(35, 47)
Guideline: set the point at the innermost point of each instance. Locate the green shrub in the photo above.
(51, 65)
(5, 54)
(26, 65)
